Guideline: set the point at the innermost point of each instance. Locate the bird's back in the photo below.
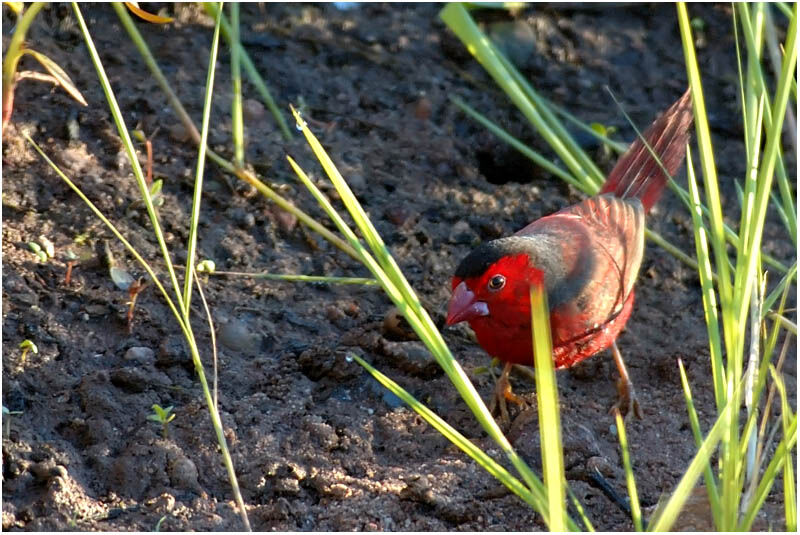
(597, 246)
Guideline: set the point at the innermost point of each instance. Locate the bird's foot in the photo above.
(626, 400)
(503, 393)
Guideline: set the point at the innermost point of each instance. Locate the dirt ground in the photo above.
(318, 444)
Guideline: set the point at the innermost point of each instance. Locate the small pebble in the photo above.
(183, 474)
(422, 109)
(235, 335)
(462, 233)
(252, 110)
(178, 133)
(286, 221)
(142, 355)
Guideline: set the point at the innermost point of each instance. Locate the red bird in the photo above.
(589, 255)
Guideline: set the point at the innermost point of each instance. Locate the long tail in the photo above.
(637, 174)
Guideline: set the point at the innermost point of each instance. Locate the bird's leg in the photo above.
(626, 401)
(502, 392)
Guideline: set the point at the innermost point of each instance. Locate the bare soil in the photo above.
(318, 444)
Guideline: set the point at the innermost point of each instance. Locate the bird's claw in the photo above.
(627, 403)
(503, 393)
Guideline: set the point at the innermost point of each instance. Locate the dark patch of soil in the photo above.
(317, 444)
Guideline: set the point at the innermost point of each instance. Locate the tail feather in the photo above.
(637, 173)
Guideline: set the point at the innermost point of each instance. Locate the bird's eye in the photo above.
(497, 282)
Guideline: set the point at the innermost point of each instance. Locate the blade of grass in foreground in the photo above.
(488, 464)
(549, 417)
(711, 483)
(665, 517)
(299, 278)
(636, 510)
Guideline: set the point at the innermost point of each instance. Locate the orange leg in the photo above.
(626, 400)
(503, 393)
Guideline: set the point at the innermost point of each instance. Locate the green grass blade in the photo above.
(191, 246)
(252, 73)
(549, 419)
(669, 513)
(114, 231)
(127, 143)
(155, 71)
(237, 123)
(537, 158)
(789, 493)
(708, 475)
(459, 21)
(717, 235)
(636, 510)
(299, 278)
(782, 453)
(397, 288)
(707, 287)
(766, 169)
(581, 512)
(535, 500)
(616, 146)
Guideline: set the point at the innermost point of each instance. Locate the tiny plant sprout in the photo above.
(7, 414)
(605, 131)
(155, 192)
(206, 266)
(27, 345)
(38, 251)
(134, 290)
(138, 135)
(698, 24)
(72, 259)
(163, 416)
(47, 246)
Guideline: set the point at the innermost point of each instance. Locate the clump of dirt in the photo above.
(318, 444)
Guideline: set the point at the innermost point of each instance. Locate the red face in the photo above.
(499, 296)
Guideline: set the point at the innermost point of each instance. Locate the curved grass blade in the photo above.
(60, 76)
(535, 500)
(144, 15)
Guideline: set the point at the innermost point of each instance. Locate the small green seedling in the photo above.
(26, 346)
(605, 131)
(38, 251)
(155, 195)
(7, 414)
(698, 24)
(162, 415)
(43, 249)
(206, 266)
(47, 246)
(160, 523)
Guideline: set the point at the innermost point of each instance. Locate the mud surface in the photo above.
(317, 444)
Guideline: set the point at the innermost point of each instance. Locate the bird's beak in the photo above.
(464, 307)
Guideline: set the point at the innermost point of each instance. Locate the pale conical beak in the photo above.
(464, 307)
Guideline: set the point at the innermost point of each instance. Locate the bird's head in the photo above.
(492, 283)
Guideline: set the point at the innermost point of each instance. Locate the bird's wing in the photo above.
(617, 227)
(593, 251)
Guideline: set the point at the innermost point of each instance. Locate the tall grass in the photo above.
(731, 287)
(747, 466)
